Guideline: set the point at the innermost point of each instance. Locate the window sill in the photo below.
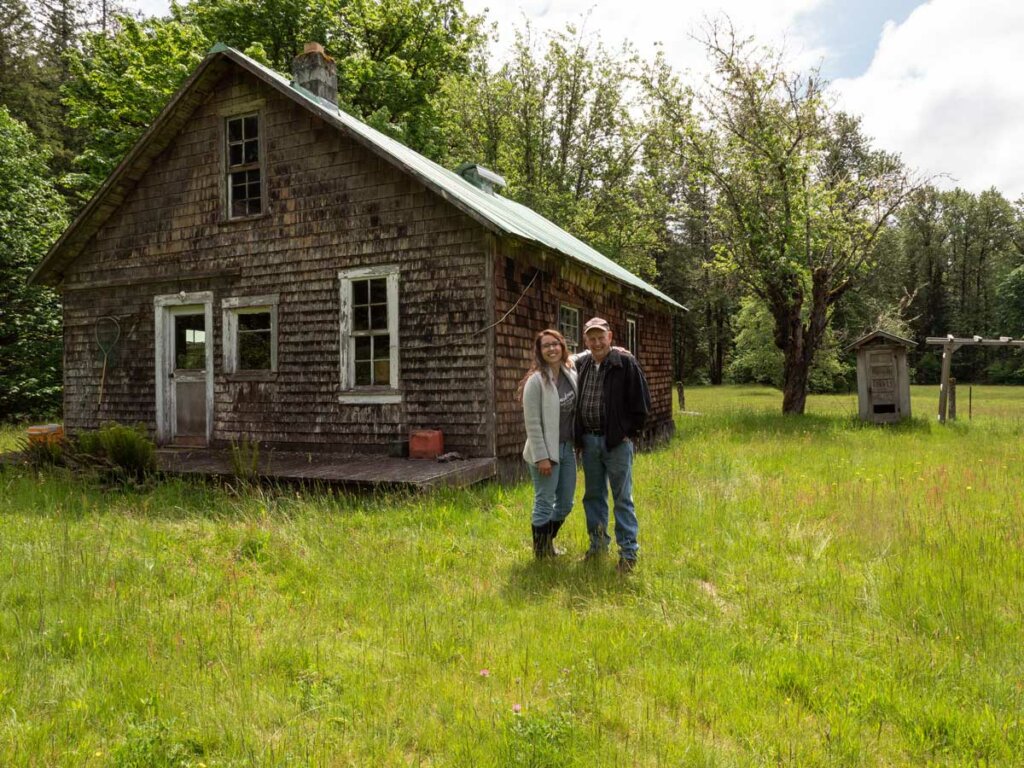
(252, 376)
(243, 219)
(370, 397)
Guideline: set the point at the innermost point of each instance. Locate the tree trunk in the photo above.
(794, 386)
(802, 341)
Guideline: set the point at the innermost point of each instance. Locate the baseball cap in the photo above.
(597, 322)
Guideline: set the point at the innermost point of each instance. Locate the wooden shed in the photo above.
(279, 271)
(883, 377)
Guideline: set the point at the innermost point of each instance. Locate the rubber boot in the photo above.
(553, 527)
(541, 541)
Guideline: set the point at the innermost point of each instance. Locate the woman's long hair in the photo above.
(539, 363)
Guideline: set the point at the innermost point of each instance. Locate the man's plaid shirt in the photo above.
(592, 399)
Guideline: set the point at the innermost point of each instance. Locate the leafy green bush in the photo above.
(756, 359)
(127, 451)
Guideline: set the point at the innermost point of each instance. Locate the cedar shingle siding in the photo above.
(330, 204)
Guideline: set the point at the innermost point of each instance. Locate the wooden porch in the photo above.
(355, 471)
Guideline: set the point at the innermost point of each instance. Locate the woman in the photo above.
(548, 392)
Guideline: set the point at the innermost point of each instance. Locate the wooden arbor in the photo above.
(951, 344)
(883, 377)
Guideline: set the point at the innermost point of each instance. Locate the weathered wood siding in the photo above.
(331, 205)
(562, 281)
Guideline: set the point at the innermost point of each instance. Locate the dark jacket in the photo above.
(626, 399)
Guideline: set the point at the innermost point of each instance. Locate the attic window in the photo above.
(244, 181)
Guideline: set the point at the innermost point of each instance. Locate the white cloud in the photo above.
(646, 23)
(945, 90)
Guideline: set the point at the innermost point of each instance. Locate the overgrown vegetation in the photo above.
(812, 592)
(114, 451)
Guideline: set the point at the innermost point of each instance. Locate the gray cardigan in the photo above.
(541, 414)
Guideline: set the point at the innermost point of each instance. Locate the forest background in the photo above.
(747, 196)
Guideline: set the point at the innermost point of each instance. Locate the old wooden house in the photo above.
(263, 265)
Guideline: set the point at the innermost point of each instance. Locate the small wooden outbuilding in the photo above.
(883, 377)
(281, 272)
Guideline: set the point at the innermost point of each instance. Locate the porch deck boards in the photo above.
(361, 471)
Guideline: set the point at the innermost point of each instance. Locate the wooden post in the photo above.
(947, 360)
(952, 399)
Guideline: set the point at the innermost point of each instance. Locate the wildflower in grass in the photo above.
(485, 672)
(517, 709)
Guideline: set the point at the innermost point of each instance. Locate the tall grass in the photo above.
(812, 591)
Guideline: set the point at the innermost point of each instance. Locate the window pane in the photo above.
(235, 154)
(239, 208)
(254, 321)
(382, 372)
(364, 346)
(251, 127)
(254, 351)
(379, 290)
(363, 374)
(253, 190)
(361, 319)
(252, 151)
(190, 342)
(381, 350)
(254, 207)
(235, 130)
(379, 317)
(360, 292)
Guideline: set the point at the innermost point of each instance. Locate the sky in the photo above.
(940, 82)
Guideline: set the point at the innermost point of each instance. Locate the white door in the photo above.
(184, 368)
(188, 375)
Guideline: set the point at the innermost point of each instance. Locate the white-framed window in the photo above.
(569, 326)
(250, 334)
(369, 334)
(242, 164)
(631, 335)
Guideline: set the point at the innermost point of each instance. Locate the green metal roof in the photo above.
(500, 213)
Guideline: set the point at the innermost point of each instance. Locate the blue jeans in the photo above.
(552, 495)
(603, 468)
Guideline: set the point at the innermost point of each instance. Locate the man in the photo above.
(611, 410)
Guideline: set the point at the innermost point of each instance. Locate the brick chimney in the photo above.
(315, 71)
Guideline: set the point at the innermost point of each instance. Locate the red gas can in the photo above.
(426, 443)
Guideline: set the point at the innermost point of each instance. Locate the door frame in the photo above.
(163, 307)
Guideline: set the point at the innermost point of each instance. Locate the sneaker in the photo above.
(626, 565)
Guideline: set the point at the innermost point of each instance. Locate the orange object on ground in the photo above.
(46, 433)
(426, 443)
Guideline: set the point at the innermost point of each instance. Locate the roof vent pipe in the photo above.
(480, 177)
(315, 71)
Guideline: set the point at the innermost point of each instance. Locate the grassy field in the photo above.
(812, 591)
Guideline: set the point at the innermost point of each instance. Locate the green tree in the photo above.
(800, 194)
(756, 359)
(31, 216)
(119, 83)
(392, 55)
(557, 121)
